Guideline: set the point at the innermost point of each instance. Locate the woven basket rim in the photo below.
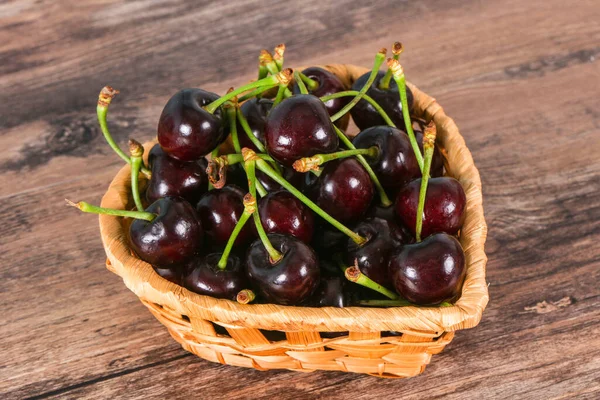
(140, 277)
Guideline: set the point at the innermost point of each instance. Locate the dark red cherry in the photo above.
(172, 238)
(396, 163)
(172, 274)
(291, 280)
(328, 84)
(389, 214)
(444, 210)
(255, 110)
(372, 257)
(299, 127)
(429, 272)
(186, 130)
(333, 291)
(366, 116)
(171, 177)
(344, 190)
(219, 211)
(205, 277)
(281, 212)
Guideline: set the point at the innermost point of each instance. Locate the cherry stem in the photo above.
(394, 303)
(278, 55)
(378, 61)
(398, 73)
(88, 208)
(310, 83)
(213, 155)
(274, 255)
(249, 208)
(262, 72)
(269, 81)
(254, 93)
(353, 274)
(280, 95)
(384, 83)
(300, 83)
(365, 97)
(383, 197)
(312, 163)
(137, 151)
(428, 145)
(245, 296)
(244, 122)
(233, 159)
(104, 99)
(264, 167)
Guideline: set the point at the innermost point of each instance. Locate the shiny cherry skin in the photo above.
(372, 257)
(299, 127)
(429, 272)
(205, 277)
(291, 280)
(171, 177)
(255, 110)
(444, 210)
(328, 84)
(219, 210)
(281, 212)
(333, 291)
(366, 116)
(396, 163)
(172, 238)
(344, 190)
(187, 131)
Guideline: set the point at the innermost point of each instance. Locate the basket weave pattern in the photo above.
(386, 342)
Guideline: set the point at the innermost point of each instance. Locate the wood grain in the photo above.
(519, 78)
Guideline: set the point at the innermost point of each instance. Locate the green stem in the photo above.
(269, 81)
(366, 97)
(401, 82)
(300, 83)
(310, 83)
(256, 92)
(231, 115)
(383, 197)
(236, 231)
(274, 255)
(262, 72)
(386, 303)
(264, 167)
(280, 95)
(244, 122)
(136, 163)
(88, 208)
(353, 274)
(378, 61)
(233, 159)
(312, 163)
(423, 191)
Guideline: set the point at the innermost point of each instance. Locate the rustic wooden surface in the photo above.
(521, 79)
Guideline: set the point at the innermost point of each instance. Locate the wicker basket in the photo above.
(385, 342)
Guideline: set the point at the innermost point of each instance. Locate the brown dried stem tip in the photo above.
(429, 135)
(383, 51)
(395, 67)
(279, 50)
(307, 164)
(135, 148)
(265, 57)
(217, 171)
(285, 76)
(72, 204)
(233, 102)
(397, 48)
(106, 95)
(245, 296)
(249, 154)
(249, 203)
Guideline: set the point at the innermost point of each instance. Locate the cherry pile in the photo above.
(336, 221)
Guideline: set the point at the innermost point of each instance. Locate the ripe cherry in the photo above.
(429, 272)
(219, 211)
(344, 190)
(327, 84)
(289, 281)
(205, 277)
(366, 116)
(444, 210)
(186, 130)
(171, 177)
(333, 291)
(299, 127)
(281, 212)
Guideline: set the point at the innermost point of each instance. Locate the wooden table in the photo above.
(521, 79)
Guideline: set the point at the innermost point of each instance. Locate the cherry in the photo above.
(299, 127)
(327, 239)
(326, 84)
(289, 281)
(372, 257)
(171, 274)
(333, 291)
(219, 210)
(255, 110)
(444, 211)
(366, 116)
(429, 272)
(171, 177)
(186, 130)
(205, 277)
(281, 212)
(171, 238)
(344, 190)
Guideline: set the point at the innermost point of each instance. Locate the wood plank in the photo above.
(518, 78)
